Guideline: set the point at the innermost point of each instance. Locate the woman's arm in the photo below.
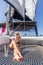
(11, 44)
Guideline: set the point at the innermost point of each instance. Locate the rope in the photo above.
(18, 26)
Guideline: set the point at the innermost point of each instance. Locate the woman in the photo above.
(15, 45)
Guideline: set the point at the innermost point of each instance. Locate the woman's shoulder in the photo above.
(13, 39)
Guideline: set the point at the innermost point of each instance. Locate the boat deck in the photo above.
(33, 55)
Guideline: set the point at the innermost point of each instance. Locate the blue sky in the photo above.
(38, 17)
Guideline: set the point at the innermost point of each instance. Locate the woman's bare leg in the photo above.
(17, 58)
(17, 49)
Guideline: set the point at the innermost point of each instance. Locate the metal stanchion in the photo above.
(6, 49)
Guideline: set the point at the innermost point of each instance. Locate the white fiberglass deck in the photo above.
(5, 39)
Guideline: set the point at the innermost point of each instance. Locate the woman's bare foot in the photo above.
(18, 59)
(14, 58)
